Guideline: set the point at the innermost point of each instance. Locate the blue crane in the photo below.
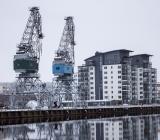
(63, 64)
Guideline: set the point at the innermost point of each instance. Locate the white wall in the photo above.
(91, 80)
(112, 89)
(140, 92)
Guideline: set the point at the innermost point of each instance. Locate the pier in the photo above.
(29, 116)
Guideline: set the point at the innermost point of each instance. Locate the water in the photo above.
(122, 128)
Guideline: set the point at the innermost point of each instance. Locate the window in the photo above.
(111, 91)
(105, 67)
(111, 71)
(105, 72)
(91, 78)
(111, 67)
(111, 77)
(92, 97)
(119, 91)
(91, 83)
(119, 87)
(91, 68)
(119, 67)
(119, 77)
(106, 91)
(57, 68)
(105, 77)
(105, 87)
(92, 92)
(119, 97)
(111, 82)
(119, 71)
(91, 87)
(105, 82)
(119, 82)
(106, 97)
(91, 73)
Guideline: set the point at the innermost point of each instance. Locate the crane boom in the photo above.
(65, 51)
(30, 48)
(63, 63)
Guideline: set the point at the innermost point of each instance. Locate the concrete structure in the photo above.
(116, 77)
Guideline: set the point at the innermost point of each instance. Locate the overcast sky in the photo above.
(100, 25)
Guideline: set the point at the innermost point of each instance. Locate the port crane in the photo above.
(26, 60)
(64, 86)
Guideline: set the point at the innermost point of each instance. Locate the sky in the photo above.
(100, 25)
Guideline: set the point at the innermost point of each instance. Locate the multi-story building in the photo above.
(116, 77)
(108, 76)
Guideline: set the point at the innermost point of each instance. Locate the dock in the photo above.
(20, 116)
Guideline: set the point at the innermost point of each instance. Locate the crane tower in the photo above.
(63, 65)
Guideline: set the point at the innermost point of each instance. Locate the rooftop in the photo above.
(101, 53)
(148, 55)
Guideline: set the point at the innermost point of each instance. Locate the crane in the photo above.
(64, 86)
(26, 61)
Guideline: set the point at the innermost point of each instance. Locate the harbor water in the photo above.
(145, 127)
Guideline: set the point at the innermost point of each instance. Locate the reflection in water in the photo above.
(125, 128)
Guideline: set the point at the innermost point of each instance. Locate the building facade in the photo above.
(158, 92)
(83, 82)
(144, 79)
(116, 77)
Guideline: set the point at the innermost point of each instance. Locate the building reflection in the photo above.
(125, 128)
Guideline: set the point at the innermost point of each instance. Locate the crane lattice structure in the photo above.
(26, 60)
(64, 85)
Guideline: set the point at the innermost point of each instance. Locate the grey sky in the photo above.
(101, 25)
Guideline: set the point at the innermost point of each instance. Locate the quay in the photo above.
(21, 116)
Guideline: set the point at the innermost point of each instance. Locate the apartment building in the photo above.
(116, 77)
(108, 75)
